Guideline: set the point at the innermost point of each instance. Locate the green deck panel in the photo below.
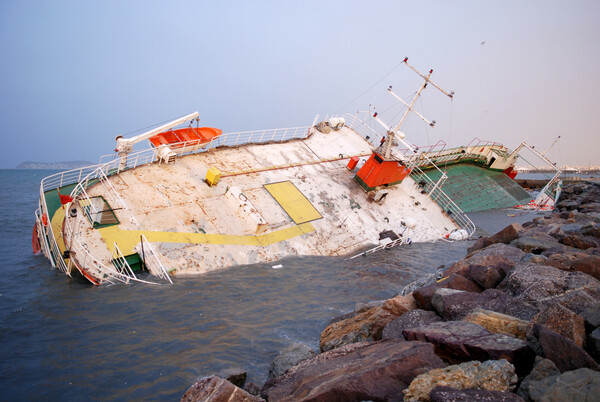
(474, 188)
(134, 261)
(53, 201)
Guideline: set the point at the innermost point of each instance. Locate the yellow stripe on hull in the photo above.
(128, 239)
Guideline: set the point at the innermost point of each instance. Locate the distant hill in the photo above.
(54, 165)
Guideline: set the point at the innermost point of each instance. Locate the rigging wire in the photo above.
(371, 87)
(151, 126)
(426, 130)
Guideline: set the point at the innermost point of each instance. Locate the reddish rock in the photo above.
(217, 389)
(562, 351)
(447, 394)
(507, 234)
(459, 341)
(480, 243)
(411, 319)
(589, 264)
(562, 320)
(362, 371)
(366, 326)
(534, 243)
(564, 260)
(495, 255)
(580, 241)
(543, 286)
(455, 306)
(424, 294)
(488, 277)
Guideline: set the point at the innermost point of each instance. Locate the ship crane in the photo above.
(125, 145)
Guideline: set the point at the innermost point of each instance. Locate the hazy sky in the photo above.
(74, 74)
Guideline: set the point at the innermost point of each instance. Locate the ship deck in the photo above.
(272, 201)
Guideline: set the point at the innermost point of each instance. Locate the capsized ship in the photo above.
(199, 200)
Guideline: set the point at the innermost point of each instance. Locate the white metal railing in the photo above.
(101, 272)
(363, 129)
(433, 189)
(435, 192)
(109, 165)
(154, 265)
(121, 264)
(398, 242)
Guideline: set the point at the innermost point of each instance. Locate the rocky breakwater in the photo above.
(517, 319)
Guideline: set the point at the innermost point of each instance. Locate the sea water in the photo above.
(63, 339)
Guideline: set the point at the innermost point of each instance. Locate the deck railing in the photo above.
(150, 258)
(414, 162)
(110, 164)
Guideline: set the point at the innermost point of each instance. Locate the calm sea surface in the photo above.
(62, 339)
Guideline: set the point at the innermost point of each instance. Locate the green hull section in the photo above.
(474, 188)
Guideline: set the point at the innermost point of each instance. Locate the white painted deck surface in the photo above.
(175, 199)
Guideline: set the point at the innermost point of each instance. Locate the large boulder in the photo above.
(577, 385)
(562, 351)
(575, 261)
(534, 243)
(498, 256)
(214, 388)
(400, 304)
(289, 357)
(543, 368)
(361, 371)
(491, 375)
(424, 294)
(506, 235)
(411, 319)
(580, 241)
(499, 323)
(366, 326)
(459, 341)
(456, 305)
(562, 320)
(543, 286)
(447, 394)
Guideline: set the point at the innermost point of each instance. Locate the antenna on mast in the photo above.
(387, 147)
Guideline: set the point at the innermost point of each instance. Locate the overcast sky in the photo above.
(74, 74)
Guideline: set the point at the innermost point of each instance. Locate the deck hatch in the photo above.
(105, 215)
(293, 202)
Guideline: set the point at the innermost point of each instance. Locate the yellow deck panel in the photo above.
(57, 228)
(294, 203)
(127, 239)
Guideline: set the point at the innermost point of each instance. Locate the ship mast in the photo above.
(392, 133)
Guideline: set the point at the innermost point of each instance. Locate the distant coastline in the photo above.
(54, 165)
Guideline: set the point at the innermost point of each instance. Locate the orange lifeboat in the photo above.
(185, 137)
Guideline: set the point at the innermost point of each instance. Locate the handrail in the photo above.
(121, 264)
(159, 270)
(435, 192)
(433, 189)
(88, 174)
